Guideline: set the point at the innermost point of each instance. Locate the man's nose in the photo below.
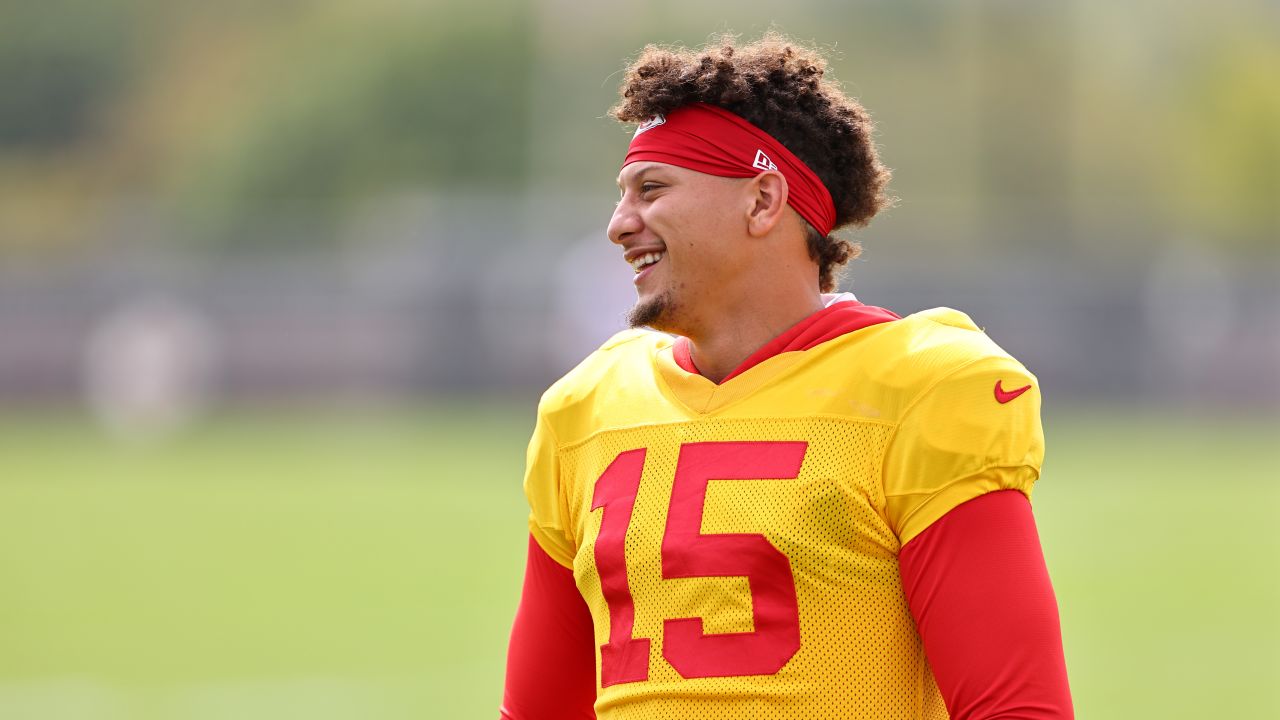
(624, 223)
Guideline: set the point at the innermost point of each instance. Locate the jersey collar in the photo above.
(842, 315)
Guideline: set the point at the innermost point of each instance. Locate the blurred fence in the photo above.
(445, 295)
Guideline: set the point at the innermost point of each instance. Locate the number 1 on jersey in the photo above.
(687, 552)
(623, 659)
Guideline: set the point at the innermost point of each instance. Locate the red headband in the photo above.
(714, 141)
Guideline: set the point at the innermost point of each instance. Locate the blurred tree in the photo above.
(247, 123)
(242, 123)
(61, 63)
(1176, 126)
(347, 105)
(1025, 92)
(1226, 146)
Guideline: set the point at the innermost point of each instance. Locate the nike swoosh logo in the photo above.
(1003, 396)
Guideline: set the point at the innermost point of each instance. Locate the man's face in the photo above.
(685, 220)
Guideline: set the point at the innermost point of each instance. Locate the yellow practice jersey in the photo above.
(737, 544)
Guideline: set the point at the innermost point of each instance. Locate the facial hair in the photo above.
(651, 313)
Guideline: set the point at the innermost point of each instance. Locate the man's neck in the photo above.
(720, 349)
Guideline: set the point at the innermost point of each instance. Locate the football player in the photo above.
(769, 500)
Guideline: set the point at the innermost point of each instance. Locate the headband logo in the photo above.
(763, 162)
(649, 124)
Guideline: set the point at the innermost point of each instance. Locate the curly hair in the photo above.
(781, 88)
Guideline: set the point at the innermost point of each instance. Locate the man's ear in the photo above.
(768, 202)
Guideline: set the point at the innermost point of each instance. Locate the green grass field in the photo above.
(298, 565)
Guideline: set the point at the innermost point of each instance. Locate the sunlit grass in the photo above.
(316, 566)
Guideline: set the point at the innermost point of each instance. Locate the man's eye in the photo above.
(646, 187)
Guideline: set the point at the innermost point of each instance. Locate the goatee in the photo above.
(650, 313)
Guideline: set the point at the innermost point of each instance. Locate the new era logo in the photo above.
(763, 162)
(649, 124)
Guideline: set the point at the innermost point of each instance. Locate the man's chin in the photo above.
(653, 313)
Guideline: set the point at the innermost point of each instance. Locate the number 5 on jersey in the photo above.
(687, 552)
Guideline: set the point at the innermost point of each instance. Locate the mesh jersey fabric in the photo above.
(892, 426)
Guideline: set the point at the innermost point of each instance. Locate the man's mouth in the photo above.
(644, 261)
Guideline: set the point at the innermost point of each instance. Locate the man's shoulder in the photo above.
(948, 333)
(641, 336)
(910, 356)
(923, 339)
(625, 354)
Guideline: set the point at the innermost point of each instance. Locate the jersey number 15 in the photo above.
(687, 552)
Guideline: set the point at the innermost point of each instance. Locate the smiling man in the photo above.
(769, 500)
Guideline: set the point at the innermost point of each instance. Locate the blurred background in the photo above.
(280, 284)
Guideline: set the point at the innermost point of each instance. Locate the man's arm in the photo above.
(551, 672)
(978, 588)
